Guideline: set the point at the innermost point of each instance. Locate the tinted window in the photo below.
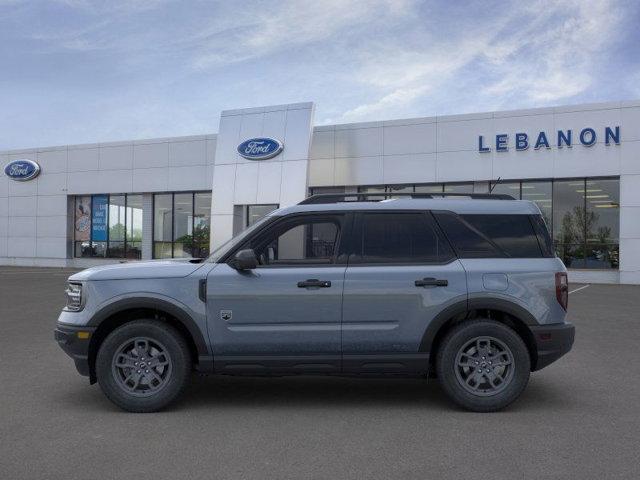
(467, 242)
(401, 238)
(544, 239)
(513, 234)
(298, 242)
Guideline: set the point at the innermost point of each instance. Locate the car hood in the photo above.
(133, 270)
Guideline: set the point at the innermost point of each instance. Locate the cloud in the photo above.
(541, 53)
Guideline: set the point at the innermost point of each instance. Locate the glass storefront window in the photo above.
(436, 188)
(162, 225)
(182, 224)
(106, 226)
(458, 188)
(603, 223)
(506, 188)
(201, 224)
(134, 226)
(541, 193)
(256, 212)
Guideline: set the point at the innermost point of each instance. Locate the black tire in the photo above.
(453, 365)
(124, 385)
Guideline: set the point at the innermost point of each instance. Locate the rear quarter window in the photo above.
(513, 234)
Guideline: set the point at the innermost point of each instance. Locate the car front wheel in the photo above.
(483, 365)
(143, 365)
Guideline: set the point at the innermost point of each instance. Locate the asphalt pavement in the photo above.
(578, 418)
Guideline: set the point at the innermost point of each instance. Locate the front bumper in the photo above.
(75, 343)
(552, 342)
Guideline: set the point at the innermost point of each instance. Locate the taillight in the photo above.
(562, 289)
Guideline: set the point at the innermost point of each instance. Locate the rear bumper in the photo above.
(552, 342)
(77, 347)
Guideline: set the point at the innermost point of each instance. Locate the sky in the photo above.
(80, 71)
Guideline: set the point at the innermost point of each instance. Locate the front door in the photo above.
(400, 276)
(285, 314)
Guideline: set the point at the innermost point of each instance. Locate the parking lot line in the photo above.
(578, 289)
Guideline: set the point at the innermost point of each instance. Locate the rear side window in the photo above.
(467, 241)
(544, 239)
(400, 238)
(513, 234)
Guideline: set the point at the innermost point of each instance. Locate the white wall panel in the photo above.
(630, 124)
(22, 227)
(151, 155)
(150, 180)
(297, 135)
(629, 157)
(52, 161)
(51, 205)
(463, 135)
(105, 181)
(52, 183)
(358, 142)
(53, 226)
(50, 247)
(83, 159)
(322, 144)
(359, 171)
(322, 172)
(117, 157)
(188, 153)
(188, 178)
(463, 166)
(407, 168)
(246, 184)
(22, 206)
(420, 138)
(269, 182)
(21, 246)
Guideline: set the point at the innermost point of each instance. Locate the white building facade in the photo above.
(81, 205)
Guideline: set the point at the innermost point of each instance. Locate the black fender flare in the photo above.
(154, 303)
(464, 307)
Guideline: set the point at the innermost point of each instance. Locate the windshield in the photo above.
(230, 244)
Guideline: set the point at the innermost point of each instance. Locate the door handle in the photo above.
(431, 282)
(313, 282)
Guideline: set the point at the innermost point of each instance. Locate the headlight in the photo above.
(74, 297)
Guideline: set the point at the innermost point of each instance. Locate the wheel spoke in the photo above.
(476, 363)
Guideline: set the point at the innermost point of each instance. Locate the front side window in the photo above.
(298, 242)
(400, 238)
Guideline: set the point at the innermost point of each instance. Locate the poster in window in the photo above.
(99, 218)
(83, 219)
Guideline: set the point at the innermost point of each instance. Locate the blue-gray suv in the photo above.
(465, 289)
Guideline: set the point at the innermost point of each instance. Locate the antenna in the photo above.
(494, 185)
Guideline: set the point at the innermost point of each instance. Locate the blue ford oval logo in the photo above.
(22, 170)
(260, 148)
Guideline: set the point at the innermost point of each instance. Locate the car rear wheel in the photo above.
(483, 365)
(143, 365)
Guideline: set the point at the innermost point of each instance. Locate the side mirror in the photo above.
(245, 260)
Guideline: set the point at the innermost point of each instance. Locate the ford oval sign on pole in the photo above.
(260, 148)
(22, 170)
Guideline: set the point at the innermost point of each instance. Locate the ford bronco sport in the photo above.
(466, 289)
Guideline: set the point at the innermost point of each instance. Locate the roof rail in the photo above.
(367, 197)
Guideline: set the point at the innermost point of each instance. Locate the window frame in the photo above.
(173, 215)
(107, 242)
(343, 219)
(355, 258)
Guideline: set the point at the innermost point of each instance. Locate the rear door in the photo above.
(401, 274)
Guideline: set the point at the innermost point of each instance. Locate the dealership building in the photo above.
(82, 205)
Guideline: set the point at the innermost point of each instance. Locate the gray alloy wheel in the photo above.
(484, 366)
(141, 366)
